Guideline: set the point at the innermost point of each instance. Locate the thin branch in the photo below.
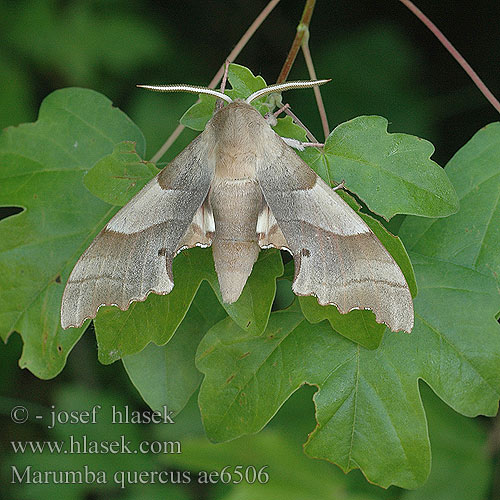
(301, 40)
(454, 52)
(295, 118)
(166, 145)
(302, 30)
(281, 110)
(215, 80)
(317, 92)
(286, 109)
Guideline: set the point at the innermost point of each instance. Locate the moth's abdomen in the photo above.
(236, 205)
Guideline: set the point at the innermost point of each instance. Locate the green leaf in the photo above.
(255, 376)
(243, 84)
(121, 333)
(119, 176)
(42, 167)
(391, 173)
(470, 238)
(358, 325)
(251, 310)
(286, 127)
(166, 375)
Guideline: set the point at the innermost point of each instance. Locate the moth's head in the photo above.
(237, 115)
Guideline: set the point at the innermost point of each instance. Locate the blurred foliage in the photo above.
(461, 469)
(382, 61)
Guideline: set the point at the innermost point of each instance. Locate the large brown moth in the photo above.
(238, 187)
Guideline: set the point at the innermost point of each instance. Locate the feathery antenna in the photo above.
(193, 89)
(279, 87)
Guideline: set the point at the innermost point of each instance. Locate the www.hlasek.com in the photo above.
(82, 445)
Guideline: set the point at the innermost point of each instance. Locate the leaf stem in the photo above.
(454, 52)
(215, 80)
(301, 40)
(302, 31)
(317, 92)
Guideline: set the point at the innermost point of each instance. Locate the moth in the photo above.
(238, 187)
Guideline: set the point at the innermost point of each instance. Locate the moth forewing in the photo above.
(132, 256)
(337, 257)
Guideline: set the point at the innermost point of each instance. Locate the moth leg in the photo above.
(339, 186)
(219, 104)
(296, 144)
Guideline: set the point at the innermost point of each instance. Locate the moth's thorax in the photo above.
(239, 132)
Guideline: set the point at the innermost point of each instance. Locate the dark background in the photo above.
(381, 59)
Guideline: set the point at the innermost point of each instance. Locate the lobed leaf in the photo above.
(470, 238)
(43, 164)
(243, 83)
(392, 173)
(368, 406)
(197, 116)
(460, 468)
(286, 127)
